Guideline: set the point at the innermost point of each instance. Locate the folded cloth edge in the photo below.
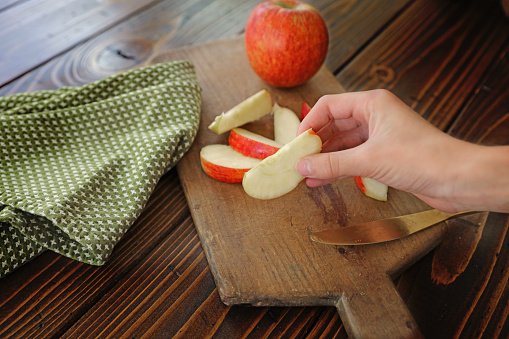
(152, 116)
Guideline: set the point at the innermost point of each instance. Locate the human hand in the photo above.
(374, 134)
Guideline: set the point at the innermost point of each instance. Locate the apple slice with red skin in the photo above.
(276, 175)
(304, 110)
(372, 188)
(223, 163)
(251, 144)
(251, 109)
(286, 124)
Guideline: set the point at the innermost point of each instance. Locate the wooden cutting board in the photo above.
(259, 251)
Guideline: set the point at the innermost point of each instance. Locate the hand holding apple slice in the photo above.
(286, 124)
(276, 175)
(223, 163)
(372, 188)
(251, 109)
(251, 144)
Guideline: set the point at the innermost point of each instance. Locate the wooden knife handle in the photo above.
(376, 310)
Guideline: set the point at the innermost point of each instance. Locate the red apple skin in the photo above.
(224, 174)
(360, 184)
(304, 110)
(249, 147)
(286, 42)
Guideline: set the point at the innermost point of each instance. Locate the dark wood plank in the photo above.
(59, 294)
(505, 6)
(136, 41)
(328, 325)
(171, 293)
(35, 31)
(47, 295)
(353, 24)
(470, 269)
(120, 48)
(485, 118)
(432, 56)
(159, 284)
(461, 288)
(170, 24)
(469, 296)
(8, 3)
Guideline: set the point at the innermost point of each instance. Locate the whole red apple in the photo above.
(286, 41)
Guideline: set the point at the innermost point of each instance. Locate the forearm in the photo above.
(482, 179)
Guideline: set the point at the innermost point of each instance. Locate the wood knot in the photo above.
(123, 55)
(341, 250)
(382, 73)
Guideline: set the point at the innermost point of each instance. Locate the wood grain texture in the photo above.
(259, 251)
(489, 105)
(35, 31)
(169, 24)
(469, 269)
(478, 286)
(352, 24)
(171, 293)
(505, 6)
(459, 290)
(50, 293)
(463, 93)
(135, 41)
(8, 3)
(457, 280)
(432, 56)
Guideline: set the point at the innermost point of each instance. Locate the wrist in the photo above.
(482, 180)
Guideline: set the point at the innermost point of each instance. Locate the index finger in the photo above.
(334, 107)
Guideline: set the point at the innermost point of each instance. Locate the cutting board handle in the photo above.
(376, 310)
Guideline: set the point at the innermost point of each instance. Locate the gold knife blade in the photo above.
(384, 230)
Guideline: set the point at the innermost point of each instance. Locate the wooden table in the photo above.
(446, 59)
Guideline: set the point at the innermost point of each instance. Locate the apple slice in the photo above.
(250, 109)
(286, 124)
(251, 144)
(223, 163)
(276, 175)
(372, 188)
(304, 110)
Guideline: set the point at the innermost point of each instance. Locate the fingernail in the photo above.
(303, 167)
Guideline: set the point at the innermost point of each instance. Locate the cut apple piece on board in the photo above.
(304, 110)
(276, 175)
(251, 109)
(372, 188)
(251, 144)
(286, 124)
(223, 163)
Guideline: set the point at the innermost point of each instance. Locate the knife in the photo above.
(384, 230)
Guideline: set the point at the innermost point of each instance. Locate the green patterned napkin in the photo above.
(78, 164)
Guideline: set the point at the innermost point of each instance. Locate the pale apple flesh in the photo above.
(276, 175)
(251, 109)
(223, 163)
(372, 188)
(251, 144)
(286, 124)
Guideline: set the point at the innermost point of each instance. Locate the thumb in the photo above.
(331, 166)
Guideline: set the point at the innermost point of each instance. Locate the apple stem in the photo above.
(285, 4)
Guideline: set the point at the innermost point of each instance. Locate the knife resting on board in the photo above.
(384, 230)
(254, 262)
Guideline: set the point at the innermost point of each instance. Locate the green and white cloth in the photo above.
(78, 164)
